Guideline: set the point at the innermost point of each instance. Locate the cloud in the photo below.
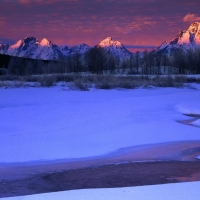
(191, 18)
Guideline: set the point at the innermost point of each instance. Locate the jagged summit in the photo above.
(189, 38)
(115, 48)
(109, 42)
(194, 28)
(30, 47)
(191, 35)
(45, 42)
(24, 43)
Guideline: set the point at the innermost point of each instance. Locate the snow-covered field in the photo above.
(51, 123)
(183, 191)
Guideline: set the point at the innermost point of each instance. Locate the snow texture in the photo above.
(52, 123)
(183, 191)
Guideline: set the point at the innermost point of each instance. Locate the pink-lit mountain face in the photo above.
(30, 47)
(188, 39)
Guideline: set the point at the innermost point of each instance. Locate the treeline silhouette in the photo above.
(98, 61)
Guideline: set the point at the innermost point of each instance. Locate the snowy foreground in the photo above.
(52, 123)
(183, 191)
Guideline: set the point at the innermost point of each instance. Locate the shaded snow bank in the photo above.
(196, 123)
(188, 108)
(183, 191)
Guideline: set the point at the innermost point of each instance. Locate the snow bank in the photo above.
(188, 108)
(51, 123)
(196, 123)
(183, 191)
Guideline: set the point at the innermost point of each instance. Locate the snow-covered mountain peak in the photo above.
(191, 36)
(187, 39)
(17, 44)
(30, 47)
(194, 28)
(45, 42)
(115, 48)
(24, 43)
(109, 42)
(29, 39)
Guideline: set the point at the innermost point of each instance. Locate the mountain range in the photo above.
(30, 47)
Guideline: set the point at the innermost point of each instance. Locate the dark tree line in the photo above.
(4, 61)
(179, 61)
(98, 61)
(95, 61)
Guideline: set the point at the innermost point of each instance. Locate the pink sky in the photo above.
(138, 24)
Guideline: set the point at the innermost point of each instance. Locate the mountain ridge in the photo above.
(30, 47)
(187, 39)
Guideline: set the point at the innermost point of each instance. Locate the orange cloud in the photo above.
(191, 18)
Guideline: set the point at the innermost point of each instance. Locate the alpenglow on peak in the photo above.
(188, 39)
(45, 42)
(109, 42)
(191, 35)
(194, 28)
